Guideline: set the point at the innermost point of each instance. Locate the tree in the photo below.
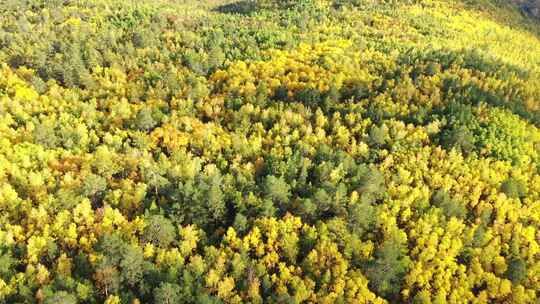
(8, 264)
(277, 189)
(281, 93)
(144, 120)
(61, 297)
(387, 272)
(513, 188)
(44, 135)
(107, 278)
(356, 90)
(517, 270)
(139, 40)
(461, 123)
(240, 222)
(371, 184)
(267, 208)
(332, 97)
(215, 196)
(323, 200)
(200, 200)
(449, 206)
(308, 96)
(155, 178)
(107, 275)
(460, 138)
(216, 57)
(93, 185)
(377, 136)
(167, 293)
(423, 297)
(112, 246)
(132, 265)
(159, 231)
(261, 95)
(362, 216)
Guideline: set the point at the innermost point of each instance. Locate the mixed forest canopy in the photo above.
(297, 151)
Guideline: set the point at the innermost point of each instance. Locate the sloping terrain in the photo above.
(311, 151)
(530, 7)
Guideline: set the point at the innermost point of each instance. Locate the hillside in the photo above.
(264, 151)
(529, 7)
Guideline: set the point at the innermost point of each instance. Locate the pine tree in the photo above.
(61, 297)
(387, 272)
(517, 270)
(159, 231)
(167, 293)
(513, 188)
(132, 266)
(145, 120)
(277, 189)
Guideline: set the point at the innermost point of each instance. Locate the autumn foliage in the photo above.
(269, 152)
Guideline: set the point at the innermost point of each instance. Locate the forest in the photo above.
(269, 151)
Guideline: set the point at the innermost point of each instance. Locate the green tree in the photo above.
(159, 230)
(377, 136)
(44, 135)
(517, 270)
(240, 222)
(308, 96)
(61, 297)
(361, 217)
(449, 206)
(459, 138)
(167, 293)
(216, 57)
(513, 188)
(94, 186)
(387, 271)
(132, 265)
(371, 184)
(144, 120)
(200, 201)
(8, 263)
(277, 189)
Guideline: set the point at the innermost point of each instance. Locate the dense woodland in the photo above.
(298, 151)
